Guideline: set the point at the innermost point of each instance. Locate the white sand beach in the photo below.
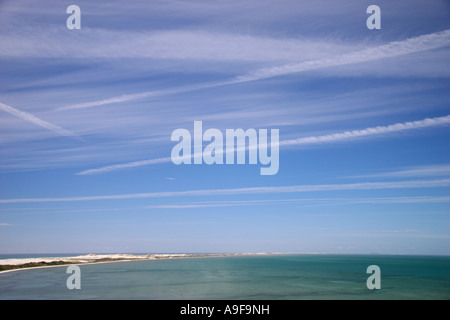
(89, 258)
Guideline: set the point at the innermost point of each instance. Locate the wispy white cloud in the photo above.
(125, 166)
(393, 49)
(5, 224)
(177, 44)
(397, 234)
(305, 201)
(129, 97)
(194, 206)
(253, 190)
(335, 137)
(385, 200)
(35, 120)
(379, 130)
(419, 171)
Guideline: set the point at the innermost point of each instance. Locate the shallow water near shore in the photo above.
(278, 277)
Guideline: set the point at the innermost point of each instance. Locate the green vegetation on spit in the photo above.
(54, 263)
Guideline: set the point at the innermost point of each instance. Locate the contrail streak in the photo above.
(35, 120)
(334, 137)
(393, 49)
(254, 190)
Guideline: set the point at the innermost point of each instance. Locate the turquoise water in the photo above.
(283, 277)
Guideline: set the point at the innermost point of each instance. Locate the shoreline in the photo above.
(21, 263)
(17, 264)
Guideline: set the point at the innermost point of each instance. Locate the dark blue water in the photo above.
(282, 277)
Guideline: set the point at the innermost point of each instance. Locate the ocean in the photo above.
(265, 277)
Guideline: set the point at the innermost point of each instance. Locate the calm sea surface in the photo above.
(282, 277)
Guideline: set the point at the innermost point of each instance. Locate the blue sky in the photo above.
(86, 118)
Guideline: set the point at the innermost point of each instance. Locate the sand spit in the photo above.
(26, 263)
